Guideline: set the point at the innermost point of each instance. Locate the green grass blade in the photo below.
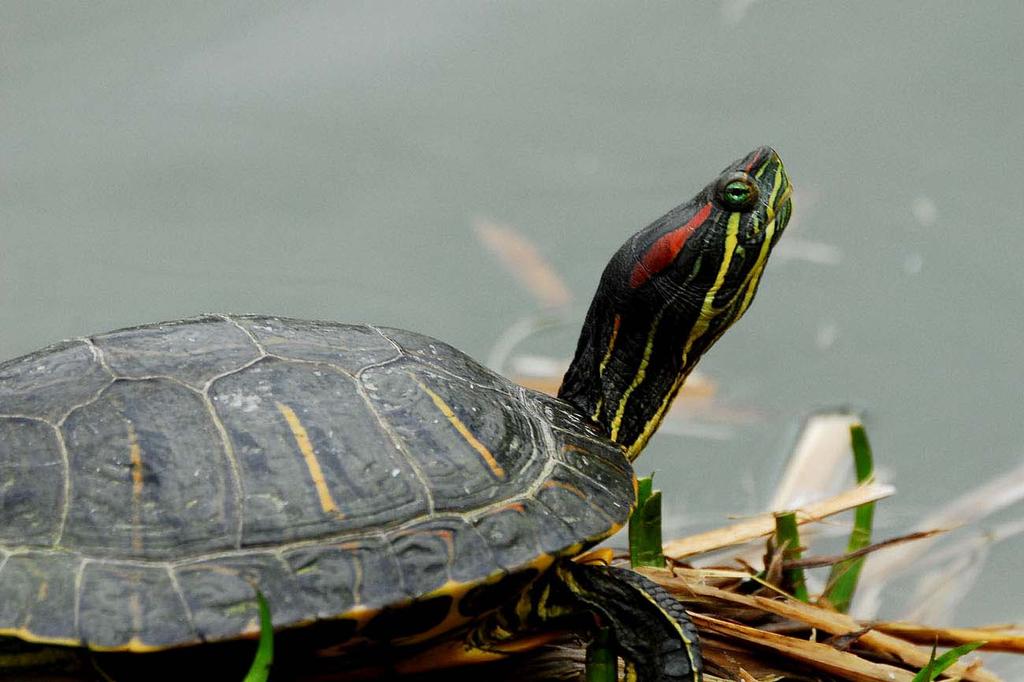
(936, 666)
(602, 663)
(644, 488)
(842, 579)
(645, 527)
(788, 538)
(259, 671)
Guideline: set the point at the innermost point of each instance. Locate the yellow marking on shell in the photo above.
(452, 621)
(602, 557)
(604, 363)
(458, 590)
(327, 503)
(360, 614)
(135, 606)
(612, 530)
(700, 326)
(564, 485)
(451, 588)
(631, 674)
(467, 435)
(135, 456)
(27, 635)
(133, 645)
(638, 378)
(572, 550)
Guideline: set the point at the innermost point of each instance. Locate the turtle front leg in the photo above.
(650, 630)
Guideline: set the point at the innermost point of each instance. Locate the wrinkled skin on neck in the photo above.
(670, 292)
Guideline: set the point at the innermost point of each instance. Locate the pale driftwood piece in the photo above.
(997, 638)
(811, 654)
(822, 619)
(763, 525)
(820, 463)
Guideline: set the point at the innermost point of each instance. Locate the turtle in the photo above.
(382, 490)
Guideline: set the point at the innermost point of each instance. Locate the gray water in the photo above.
(327, 160)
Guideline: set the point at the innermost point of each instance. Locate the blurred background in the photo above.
(379, 161)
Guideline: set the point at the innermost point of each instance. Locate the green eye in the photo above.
(737, 192)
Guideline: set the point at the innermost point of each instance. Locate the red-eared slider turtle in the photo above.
(379, 487)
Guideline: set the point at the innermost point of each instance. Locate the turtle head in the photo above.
(668, 294)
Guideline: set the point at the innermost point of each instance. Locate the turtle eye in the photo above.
(737, 192)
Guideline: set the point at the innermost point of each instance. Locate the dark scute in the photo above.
(336, 578)
(369, 482)
(461, 477)
(424, 559)
(440, 355)
(490, 595)
(31, 482)
(192, 351)
(48, 383)
(606, 467)
(512, 535)
(554, 535)
(589, 510)
(585, 453)
(406, 621)
(564, 416)
(351, 347)
(221, 593)
(433, 552)
(37, 591)
(187, 502)
(121, 601)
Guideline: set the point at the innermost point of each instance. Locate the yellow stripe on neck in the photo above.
(604, 363)
(707, 314)
(638, 378)
(750, 284)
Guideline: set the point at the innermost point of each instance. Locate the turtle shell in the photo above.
(152, 479)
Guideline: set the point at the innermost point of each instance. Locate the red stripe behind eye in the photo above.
(664, 251)
(753, 161)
